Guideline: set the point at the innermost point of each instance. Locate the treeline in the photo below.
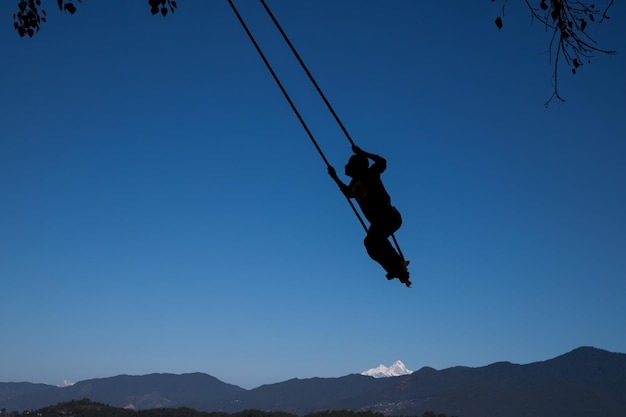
(88, 408)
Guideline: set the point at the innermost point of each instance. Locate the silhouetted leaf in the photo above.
(498, 22)
(555, 14)
(576, 62)
(583, 24)
(60, 3)
(154, 10)
(31, 32)
(543, 5)
(164, 11)
(70, 8)
(172, 5)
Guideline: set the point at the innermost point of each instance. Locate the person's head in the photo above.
(357, 166)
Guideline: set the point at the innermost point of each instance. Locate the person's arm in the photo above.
(343, 187)
(380, 163)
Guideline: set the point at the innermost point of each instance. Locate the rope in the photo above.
(320, 92)
(293, 106)
(308, 73)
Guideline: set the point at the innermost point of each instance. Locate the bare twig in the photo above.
(568, 21)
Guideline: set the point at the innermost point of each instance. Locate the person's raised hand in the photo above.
(357, 150)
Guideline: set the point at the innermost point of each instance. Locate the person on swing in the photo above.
(368, 190)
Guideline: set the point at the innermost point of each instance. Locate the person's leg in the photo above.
(378, 246)
(380, 249)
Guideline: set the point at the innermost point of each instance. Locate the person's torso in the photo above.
(371, 196)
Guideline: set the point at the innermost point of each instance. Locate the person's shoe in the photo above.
(402, 274)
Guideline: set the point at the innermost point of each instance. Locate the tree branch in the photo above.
(568, 21)
(27, 19)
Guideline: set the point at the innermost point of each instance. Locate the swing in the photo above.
(297, 113)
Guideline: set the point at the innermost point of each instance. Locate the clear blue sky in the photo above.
(162, 210)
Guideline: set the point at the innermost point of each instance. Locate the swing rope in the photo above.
(322, 95)
(308, 73)
(293, 106)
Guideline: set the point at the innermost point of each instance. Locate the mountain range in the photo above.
(586, 382)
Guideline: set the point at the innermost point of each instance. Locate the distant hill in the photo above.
(22, 389)
(586, 382)
(196, 390)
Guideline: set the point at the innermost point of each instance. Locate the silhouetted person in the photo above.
(368, 190)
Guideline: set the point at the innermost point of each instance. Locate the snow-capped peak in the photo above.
(381, 371)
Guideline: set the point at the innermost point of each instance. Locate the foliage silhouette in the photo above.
(567, 19)
(30, 14)
(88, 408)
